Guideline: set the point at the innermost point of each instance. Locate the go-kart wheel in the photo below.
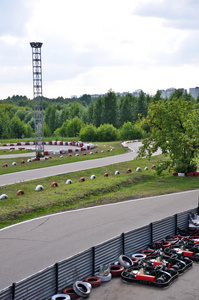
(172, 271)
(175, 267)
(186, 260)
(160, 280)
(197, 256)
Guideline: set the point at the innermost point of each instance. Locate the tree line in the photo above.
(107, 117)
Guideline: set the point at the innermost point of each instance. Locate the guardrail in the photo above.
(55, 278)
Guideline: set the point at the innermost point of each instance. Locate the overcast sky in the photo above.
(91, 46)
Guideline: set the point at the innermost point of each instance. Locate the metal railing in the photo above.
(54, 279)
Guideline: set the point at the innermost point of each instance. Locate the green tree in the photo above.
(128, 131)
(17, 128)
(106, 132)
(73, 127)
(97, 112)
(174, 129)
(88, 133)
(110, 109)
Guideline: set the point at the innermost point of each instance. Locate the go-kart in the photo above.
(172, 262)
(146, 273)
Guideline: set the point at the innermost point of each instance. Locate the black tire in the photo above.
(160, 280)
(175, 267)
(172, 271)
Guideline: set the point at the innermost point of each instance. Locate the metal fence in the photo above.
(55, 278)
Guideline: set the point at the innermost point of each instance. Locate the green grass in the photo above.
(101, 190)
(57, 160)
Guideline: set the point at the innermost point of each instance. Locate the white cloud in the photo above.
(91, 46)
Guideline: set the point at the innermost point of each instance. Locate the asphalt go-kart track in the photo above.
(31, 246)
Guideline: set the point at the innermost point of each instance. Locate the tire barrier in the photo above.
(29, 160)
(68, 181)
(70, 291)
(5, 165)
(39, 188)
(22, 162)
(82, 289)
(116, 270)
(146, 168)
(93, 177)
(105, 174)
(76, 154)
(102, 151)
(20, 192)
(125, 261)
(81, 179)
(153, 166)
(93, 280)
(14, 163)
(54, 184)
(84, 153)
(138, 169)
(61, 297)
(3, 196)
(128, 171)
(91, 152)
(117, 172)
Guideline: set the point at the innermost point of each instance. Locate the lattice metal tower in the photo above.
(38, 100)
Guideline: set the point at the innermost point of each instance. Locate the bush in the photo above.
(88, 133)
(106, 132)
(128, 131)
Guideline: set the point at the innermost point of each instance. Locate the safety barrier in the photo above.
(55, 278)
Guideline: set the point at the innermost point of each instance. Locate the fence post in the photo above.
(57, 278)
(151, 229)
(13, 291)
(123, 243)
(198, 206)
(176, 224)
(93, 260)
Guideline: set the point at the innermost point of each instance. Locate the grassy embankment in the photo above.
(99, 191)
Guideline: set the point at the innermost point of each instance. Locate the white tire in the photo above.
(92, 177)
(39, 188)
(104, 278)
(61, 297)
(29, 160)
(146, 168)
(14, 163)
(139, 256)
(81, 289)
(117, 172)
(68, 181)
(125, 261)
(138, 169)
(3, 196)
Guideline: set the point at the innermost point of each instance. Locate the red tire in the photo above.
(54, 184)
(165, 245)
(5, 165)
(93, 280)
(105, 174)
(128, 171)
(146, 252)
(81, 179)
(20, 192)
(116, 270)
(69, 291)
(134, 260)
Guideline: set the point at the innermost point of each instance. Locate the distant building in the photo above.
(194, 92)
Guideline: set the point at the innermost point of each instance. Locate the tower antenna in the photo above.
(38, 99)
